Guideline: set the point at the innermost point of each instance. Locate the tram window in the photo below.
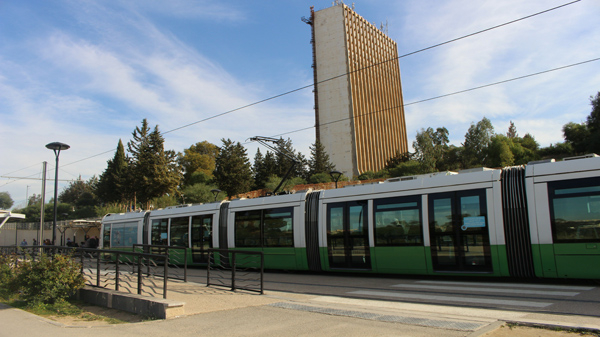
(202, 231)
(123, 234)
(159, 231)
(278, 228)
(264, 228)
(106, 237)
(575, 210)
(336, 220)
(469, 206)
(179, 231)
(247, 229)
(398, 222)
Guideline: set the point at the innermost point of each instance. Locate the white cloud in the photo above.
(95, 73)
(205, 9)
(537, 104)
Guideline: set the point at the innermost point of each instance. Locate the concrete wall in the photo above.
(137, 304)
(334, 95)
(10, 236)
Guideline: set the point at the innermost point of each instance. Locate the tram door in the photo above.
(459, 233)
(348, 235)
(201, 237)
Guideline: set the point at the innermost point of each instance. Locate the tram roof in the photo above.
(184, 209)
(586, 163)
(479, 176)
(124, 216)
(275, 199)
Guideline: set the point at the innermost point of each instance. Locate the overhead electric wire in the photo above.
(29, 177)
(371, 66)
(90, 157)
(351, 72)
(442, 96)
(9, 173)
(488, 29)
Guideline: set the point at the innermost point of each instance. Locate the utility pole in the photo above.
(41, 229)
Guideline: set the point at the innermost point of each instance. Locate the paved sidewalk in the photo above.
(211, 311)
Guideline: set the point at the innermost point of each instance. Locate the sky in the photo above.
(87, 72)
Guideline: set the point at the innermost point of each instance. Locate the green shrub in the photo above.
(49, 280)
(8, 276)
(320, 178)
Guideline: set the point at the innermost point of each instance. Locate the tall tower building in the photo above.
(358, 95)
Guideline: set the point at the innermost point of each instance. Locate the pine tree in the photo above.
(512, 131)
(233, 171)
(258, 170)
(319, 161)
(284, 163)
(164, 176)
(270, 164)
(154, 170)
(113, 183)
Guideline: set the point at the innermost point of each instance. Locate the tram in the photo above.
(537, 221)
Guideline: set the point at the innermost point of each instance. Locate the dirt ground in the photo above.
(524, 331)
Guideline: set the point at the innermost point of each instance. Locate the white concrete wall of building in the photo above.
(334, 96)
(8, 237)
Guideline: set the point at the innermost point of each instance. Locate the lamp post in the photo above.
(335, 175)
(57, 147)
(216, 192)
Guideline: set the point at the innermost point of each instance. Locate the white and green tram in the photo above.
(538, 221)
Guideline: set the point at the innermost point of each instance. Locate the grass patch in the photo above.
(73, 309)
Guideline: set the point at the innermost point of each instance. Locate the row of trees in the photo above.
(483, 147)
(148, 176)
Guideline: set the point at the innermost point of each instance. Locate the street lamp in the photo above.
(216, 192)
(57, 147)
(335, 175)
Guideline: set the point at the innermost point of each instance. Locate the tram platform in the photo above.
(467, 321)
(215, 311)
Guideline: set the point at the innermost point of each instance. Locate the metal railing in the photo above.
(236, 269)
(120, 270)
(177, 258)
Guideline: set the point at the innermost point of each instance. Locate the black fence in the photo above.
(142, 273)
(236, 269)
(177, 258)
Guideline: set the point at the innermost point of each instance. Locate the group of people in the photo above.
(46, 242)
(90, 242)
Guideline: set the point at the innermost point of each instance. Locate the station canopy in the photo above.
(7, 215)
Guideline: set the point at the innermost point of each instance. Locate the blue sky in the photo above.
(86, 73)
